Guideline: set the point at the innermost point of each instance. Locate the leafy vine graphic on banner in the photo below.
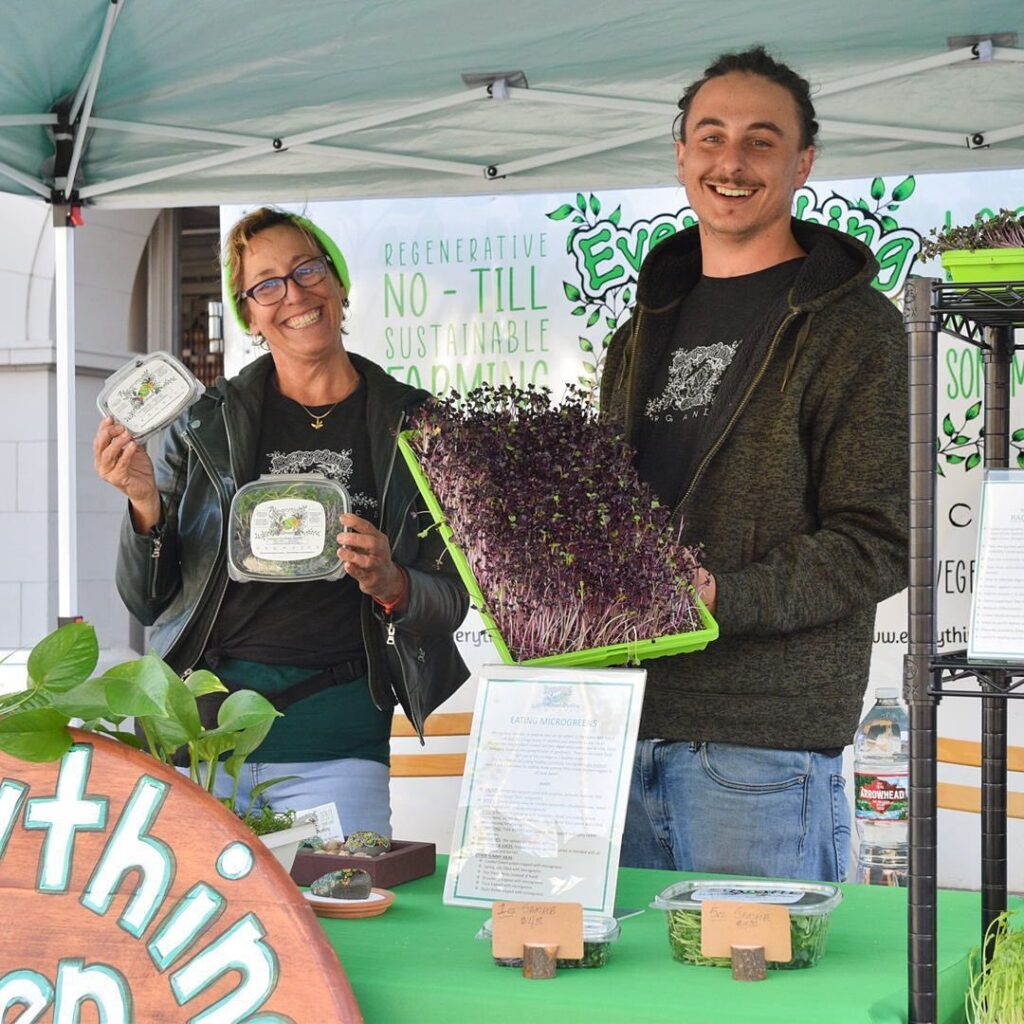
(608, 254)
(903, 191)
(958, 448)
(608, 259)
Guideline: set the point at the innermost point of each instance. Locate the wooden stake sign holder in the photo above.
(133, 895)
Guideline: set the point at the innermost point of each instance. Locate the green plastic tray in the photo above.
(594, 657)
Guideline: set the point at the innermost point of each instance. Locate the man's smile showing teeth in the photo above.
(725, 190)
(304, 320)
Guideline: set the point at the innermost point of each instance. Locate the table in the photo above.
(419, 963)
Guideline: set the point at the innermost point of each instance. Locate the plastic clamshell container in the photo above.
(148, 393)
(599, 932)
(630, 652)
(284, 529)
(810, 906)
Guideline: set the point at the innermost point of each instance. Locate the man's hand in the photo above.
(707, 589)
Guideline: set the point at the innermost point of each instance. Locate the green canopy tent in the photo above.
(142, 103)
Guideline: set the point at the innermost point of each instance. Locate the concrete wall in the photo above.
(109, 253)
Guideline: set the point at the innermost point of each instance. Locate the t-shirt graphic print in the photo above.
(336, 465)
(693, 379)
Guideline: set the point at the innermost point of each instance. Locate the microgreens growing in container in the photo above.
(570, 550)
(1005, 230)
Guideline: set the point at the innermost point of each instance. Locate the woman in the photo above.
(335, 656)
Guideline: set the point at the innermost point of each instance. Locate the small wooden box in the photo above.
(402, 863)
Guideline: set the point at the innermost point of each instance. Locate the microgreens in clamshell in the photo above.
(570, 549)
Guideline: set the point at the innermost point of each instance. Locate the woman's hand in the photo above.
(123, 463)
(366, 554)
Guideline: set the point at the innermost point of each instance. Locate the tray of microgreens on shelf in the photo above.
(565, 553)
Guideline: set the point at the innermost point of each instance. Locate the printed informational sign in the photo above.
(997, 611)
(544, 793)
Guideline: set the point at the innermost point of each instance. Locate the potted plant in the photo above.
(995, 994)
(568, 557)
(61, 689)
(990, 249)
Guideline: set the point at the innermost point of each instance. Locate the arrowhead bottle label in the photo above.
(881, 797)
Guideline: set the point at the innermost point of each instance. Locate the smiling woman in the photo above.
(335, 654)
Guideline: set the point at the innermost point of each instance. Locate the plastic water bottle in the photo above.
(881, 763)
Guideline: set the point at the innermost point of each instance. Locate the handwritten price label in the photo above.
(515, 923)
(728, 923)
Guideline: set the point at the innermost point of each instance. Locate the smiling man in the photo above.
(762, 380)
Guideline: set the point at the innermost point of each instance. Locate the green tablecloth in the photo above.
(419, 962)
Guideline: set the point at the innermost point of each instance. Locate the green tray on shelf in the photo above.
(594, 657)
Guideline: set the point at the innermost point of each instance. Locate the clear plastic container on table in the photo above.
(148, 393)
(810, 906)
(283, 529)
(599, 932)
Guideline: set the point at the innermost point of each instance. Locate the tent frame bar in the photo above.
(886, 131)
(335, 152)
(23, 179)
(607, 144)
(904, 70)
(81, 109)
(284, 143)
(67, 470)
(15, 120)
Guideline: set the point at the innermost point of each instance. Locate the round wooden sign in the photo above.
(131, 895)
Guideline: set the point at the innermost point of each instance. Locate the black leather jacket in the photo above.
(176, 577)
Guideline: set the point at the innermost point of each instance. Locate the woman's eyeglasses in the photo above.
(272, 290)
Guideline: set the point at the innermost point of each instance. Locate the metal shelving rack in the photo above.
(984, 315)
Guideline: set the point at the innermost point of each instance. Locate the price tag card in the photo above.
(728, 923)
(517, 923)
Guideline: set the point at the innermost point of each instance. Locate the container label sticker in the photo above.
(288, 529)
(145, 397)
(748, 895)
(881, 797)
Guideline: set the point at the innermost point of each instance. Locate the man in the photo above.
(763, 382)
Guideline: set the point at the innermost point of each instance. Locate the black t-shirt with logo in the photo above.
(712, 331)
(314, 624)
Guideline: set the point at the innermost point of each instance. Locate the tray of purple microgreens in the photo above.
(567, 556)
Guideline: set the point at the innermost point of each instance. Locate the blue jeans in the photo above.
(358, 788)
(719, 807)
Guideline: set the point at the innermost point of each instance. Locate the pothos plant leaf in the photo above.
(202, 682)
(137, 687)
(37, 735)
(34, 722)
(64, 658)
(180, 724)
(87, 701)
(243, 710)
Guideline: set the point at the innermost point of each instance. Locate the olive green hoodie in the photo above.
(799, 497)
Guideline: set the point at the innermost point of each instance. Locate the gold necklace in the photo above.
(318, 418)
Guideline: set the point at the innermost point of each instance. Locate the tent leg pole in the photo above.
(67, 511)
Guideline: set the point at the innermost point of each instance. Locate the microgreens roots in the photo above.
(570, 550)
(995, 994)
